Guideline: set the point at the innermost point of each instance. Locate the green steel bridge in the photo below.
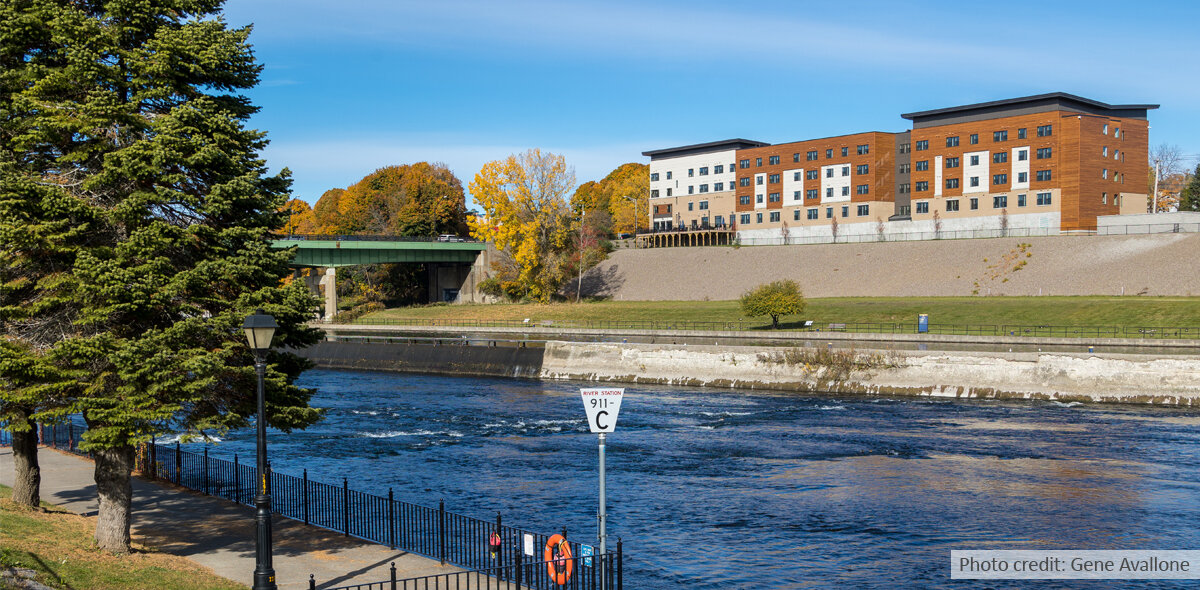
(334, 251)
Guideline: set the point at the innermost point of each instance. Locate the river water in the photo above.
(712, 488)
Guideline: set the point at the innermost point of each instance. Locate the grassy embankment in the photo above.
(58, 544)
(1025, 311)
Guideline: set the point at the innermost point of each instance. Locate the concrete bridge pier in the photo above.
(329, 284)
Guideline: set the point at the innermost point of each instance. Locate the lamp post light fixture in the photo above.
(260, 328)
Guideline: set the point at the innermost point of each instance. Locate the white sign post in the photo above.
(602, 406)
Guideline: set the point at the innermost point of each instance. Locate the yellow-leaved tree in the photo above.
(300, 217)
(526, 215)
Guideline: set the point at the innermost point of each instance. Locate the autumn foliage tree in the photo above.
(527, 217)
(419, 199)
(624, 194)
(773, 299)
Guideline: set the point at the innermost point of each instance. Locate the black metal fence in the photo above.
(373, 238)
(1043, 331)
(598, 572)
(449, 537)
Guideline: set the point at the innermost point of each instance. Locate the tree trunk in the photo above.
(113, 469)
(27, 484)
(774, 322)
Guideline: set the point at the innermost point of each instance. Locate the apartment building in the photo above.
(1054, 162)
(693, 186)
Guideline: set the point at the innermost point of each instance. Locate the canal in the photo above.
(729, 489)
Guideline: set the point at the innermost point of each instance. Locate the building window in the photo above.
(1043, 153)
(829, 213)
(812, 213)
(1021, 133)
(691, 189)
(1022, 177)
(773, 160)
(759, 178)
(974, 203)
(758, 199)
(1022, 155)
(774, 216)
(654, 194)
(812, 174)
(829, 172)
(758, 162)
(668, 175)
(845, 211)
(922, 207)
(796, 215)
(704, 171)
(1104, 174)
(796, 195)
(1103, 198)
(829, 154)
(812, 193)
(796, 157)
(668, 192)
(1105, 130)
(774, 197)
(1043, 175)
(922, 186)
(1116, 132)
(952, 205)
(1021, 200)
(691, 172)
(999, 157)
(999, 202)
(999, 136)
(951, 183)
(654, 177)
(773, 179)
(690, 206)
(1116, 154)
(845, 191)
(952, 162)
(974, 138)
(845, 171)
(905, 148)
(905, 168)
(862, 169)
(904, 188)
(922, 145)
(1104, 151)
(744, 199)
(999, 179)
(1045, 130)
(952, 141)
(845, 152)
(863, 210)
(745, 219)
(718, 186)
(829, 193)
(812, 155)
(758, 217)
(718, 169)
(1043, 199)
(796, 175)
(922, 166)
(745, 163)
(863, 189)
(975, 160)
(864, 149)
(974, 181)
(704, 188)
(744, 181)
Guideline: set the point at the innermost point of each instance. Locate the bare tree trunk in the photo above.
(113, 469)
(27, 484)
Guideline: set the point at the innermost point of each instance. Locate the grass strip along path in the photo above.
(58, 545)
(1131, 311)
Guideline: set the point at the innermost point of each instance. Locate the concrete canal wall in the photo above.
(1064, 377)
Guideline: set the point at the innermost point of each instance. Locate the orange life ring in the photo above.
(559, 567)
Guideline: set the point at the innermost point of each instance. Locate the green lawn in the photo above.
(59, 545)
(1056, 311)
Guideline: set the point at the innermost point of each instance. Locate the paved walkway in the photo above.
(220, 534)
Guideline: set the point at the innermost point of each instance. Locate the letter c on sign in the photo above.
(598, 415)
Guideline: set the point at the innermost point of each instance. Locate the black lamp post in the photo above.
(260, 328)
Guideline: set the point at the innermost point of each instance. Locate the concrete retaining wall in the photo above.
(1060, 376)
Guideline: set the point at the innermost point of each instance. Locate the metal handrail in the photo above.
(370, 238)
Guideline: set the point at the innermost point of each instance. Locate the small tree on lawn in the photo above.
(774, 299)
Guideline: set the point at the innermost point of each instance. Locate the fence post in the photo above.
(312, 583)
(517, 563)
(178, 464)
(620, 563)
(71, 436)
(391, 520)
(393, 575)
(54, 435)
(442, 530)
(345, 507)
(304, 492)
(500, 547)
(237, 480)
(205, 470)
(153, 467)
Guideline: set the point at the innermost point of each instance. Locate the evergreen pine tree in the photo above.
(1189, 198)
(134, 213)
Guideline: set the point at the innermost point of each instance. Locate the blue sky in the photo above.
(353, 86)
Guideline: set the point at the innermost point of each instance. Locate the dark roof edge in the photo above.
(1025, 99)
(710, 146)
